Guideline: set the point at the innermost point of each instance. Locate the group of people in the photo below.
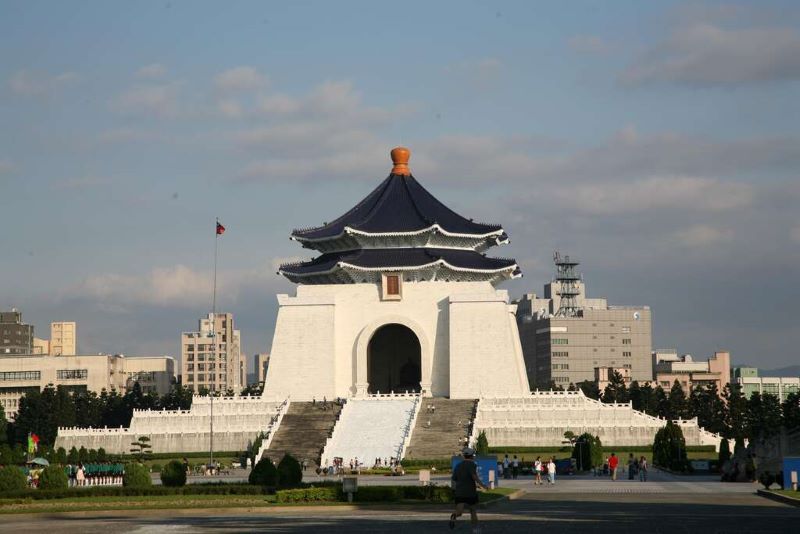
(339, 467)
(636, 466)
(548, 469)
(325, 405)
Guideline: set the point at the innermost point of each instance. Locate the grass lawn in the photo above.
(787, 493)
(163, 502)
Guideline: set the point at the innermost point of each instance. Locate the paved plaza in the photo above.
(575, 504)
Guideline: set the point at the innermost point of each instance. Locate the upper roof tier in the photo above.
(400, 207)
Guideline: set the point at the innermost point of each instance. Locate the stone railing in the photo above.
(409, 429)
(82, 431)
(272, 428)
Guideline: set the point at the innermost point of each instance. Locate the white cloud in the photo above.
(153, 70)
(702, 235)
(706, 54)
(28, 83)
(152, 99)
(589, 44)
(230, 108)
(242, 78)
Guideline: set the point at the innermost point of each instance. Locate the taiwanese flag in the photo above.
(220, 229)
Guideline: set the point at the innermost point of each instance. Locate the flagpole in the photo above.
(214, 297)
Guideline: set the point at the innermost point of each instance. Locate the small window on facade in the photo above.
(392, 284)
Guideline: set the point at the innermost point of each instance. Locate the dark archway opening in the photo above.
(394, 360)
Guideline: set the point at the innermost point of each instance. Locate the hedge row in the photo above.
(437, 494)
(177, 455)
(438, 463)
(606, 449)
(117, 491)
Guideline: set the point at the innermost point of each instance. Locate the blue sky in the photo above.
(657, 141)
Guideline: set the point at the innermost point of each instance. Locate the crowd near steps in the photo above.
(371, 428)
(441, 429)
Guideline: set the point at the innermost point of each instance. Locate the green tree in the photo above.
(141, 448)
(6, 454)
(635, 396)
(3, 427)
(53, 477)
(482, 444)
(678, 405)
(73, 457)
(791, 411)
(736, 413)
(616, 390)
(649, 402)
(669, 448)
(83, 455)
(587, 451)
(61, 456)
(764, 417)
(661, 402)
(101, 455)
(136, 476)
(173, 474)
(724, 452)
(92, 456)
(590, 389)
(264, 474)
(290, 472)
(12, 479)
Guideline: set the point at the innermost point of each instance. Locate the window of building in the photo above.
(626, 354)
(201, 367)
(72, 374)
(626, 329)
(560, 341)
(626, 341)
(392, 286)
(190, 357)
(560, 354)
(190, 378)
(20, 375)
(626, 366)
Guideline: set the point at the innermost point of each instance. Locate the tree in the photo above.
(763, 417)
(101, 455)
(724, 452)
(264, 474)
(136, 476)
(141, 448)
(61, 456)
(53, 477)
(72, 457)
(173, 474)
(290, 472)
(791, 411)
(12, 479)
(669, 448)
(83, 455)
(678, 406)
(482, 444)
(635, 396)
(661, 402)
(590, 389)
(616, 390)
(3, 427)
(587, 451)
(736, 411)
(649, 400)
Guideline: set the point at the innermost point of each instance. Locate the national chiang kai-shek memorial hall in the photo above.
(400, 310)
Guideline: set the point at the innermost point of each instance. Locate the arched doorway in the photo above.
(394, 361)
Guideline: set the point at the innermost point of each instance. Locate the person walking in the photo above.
(551, 470)
(465, 488)
(642, 469)
(537, 467)
(506, 464)
(613, 462)
(515, 467)
(631, 466)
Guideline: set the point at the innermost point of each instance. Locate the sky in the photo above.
(658, 142)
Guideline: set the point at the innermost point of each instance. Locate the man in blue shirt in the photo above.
(465, 488)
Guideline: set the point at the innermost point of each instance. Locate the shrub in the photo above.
(766, 479)
(482, 444)
(53, 477)
(437, 494)
(136, 476)
(83, 455)
(290, 472)
(61, 455)
(102, 456)
(326, 494)
(173, 474)
(588, 452)
(378, 494)
(264, 474)
(12, 479)
(724, 452)
(72, 457)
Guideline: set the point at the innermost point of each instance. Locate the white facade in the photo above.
(466, 332)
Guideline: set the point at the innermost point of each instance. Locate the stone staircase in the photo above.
(303, 432)
(449, 425)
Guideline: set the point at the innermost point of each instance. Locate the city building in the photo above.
(41, 346)
(211, 357)
(603, 375)
(670, 367)
(261, 361)
(23, 373)
(779, 386)
(566, 335)
(63, 338)
(16, 337)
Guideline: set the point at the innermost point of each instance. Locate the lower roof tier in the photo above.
(416, 264)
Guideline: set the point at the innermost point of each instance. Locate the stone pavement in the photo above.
(576, 504)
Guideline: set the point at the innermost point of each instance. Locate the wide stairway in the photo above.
(372, 428)
(440, 433)
(303, 431)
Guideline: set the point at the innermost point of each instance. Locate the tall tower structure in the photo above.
(568, 290)
(401, 298)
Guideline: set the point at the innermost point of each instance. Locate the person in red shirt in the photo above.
(613, 462)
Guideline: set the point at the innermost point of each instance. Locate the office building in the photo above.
(689, 373)
(779, 386)
(261, 361)
(565, 335)
(63, 338)
(16, 337)
(211, 357)
(23, 373)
